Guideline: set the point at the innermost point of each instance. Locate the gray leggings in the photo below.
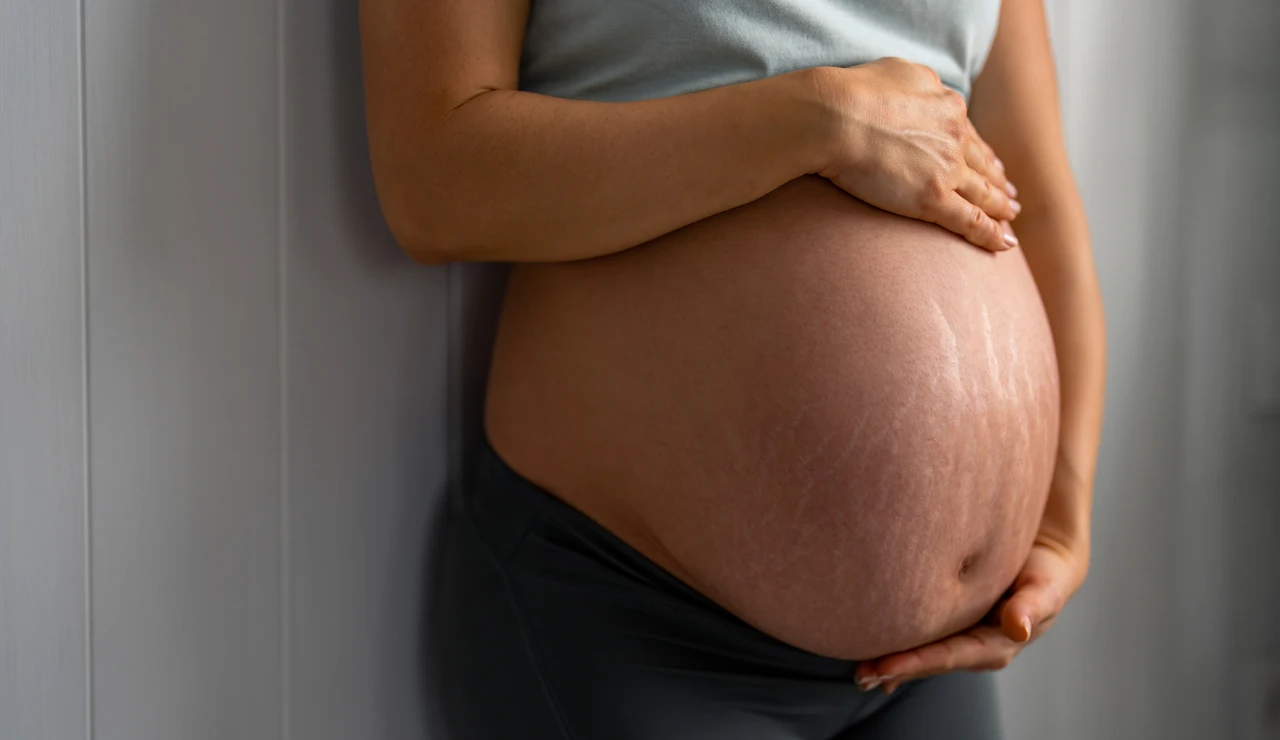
(549, 627)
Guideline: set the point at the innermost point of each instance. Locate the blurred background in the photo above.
(230, 409)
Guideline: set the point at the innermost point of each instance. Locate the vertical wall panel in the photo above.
(43, 654)
(184, 368)
(1232, 467)
(367, 395)
(1213, 411)
(1135, 192)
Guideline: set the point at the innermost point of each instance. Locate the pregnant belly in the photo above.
(838, 423)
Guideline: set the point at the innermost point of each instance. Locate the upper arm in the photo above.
(421, 60)
(1014, 106)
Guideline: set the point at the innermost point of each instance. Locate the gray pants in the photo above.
(548, 627)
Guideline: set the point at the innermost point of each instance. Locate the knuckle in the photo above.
(979, 225)
(935, 190)
(924, 75)
(947, 660)
(997, 237)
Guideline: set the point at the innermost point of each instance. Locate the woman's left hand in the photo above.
(1054, 570)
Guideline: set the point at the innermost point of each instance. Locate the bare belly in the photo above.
(838, 423)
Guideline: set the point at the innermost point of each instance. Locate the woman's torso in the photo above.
(836, 422)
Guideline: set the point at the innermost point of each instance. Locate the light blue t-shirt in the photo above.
(619, 50)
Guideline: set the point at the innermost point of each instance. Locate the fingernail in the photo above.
(1026, 627)
(868, 684)
(1010, 189)
(999, 164)
(1010, 239)
(1016, 206)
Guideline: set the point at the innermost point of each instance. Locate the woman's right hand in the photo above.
(903, 142)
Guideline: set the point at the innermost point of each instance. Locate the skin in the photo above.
(451, 137)
(1015, 107)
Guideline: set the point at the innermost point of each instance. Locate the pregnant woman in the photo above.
(787, 434)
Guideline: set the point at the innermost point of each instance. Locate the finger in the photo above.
(995, 659)
(981, 157)
(981, 192)
(999, 663)
(865, 675)
(996, 662)
(1030, 606)
(966, 650)
(958, 215)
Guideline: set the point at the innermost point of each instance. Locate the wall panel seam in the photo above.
(84, 375)
(282, 307)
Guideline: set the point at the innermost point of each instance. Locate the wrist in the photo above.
(815, 94)
(1066, 517)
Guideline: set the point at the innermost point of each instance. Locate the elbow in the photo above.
(417, 228)
(432, 230)
(416, 214)
(421, 244)
(419, 204)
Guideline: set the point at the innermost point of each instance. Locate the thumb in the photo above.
(1028, 607)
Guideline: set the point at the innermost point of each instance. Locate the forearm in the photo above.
(517, 176)
(1056, 245)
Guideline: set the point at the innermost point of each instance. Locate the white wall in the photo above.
(1231, 439)
(43, 513)
(229, 408)
(225, 413)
